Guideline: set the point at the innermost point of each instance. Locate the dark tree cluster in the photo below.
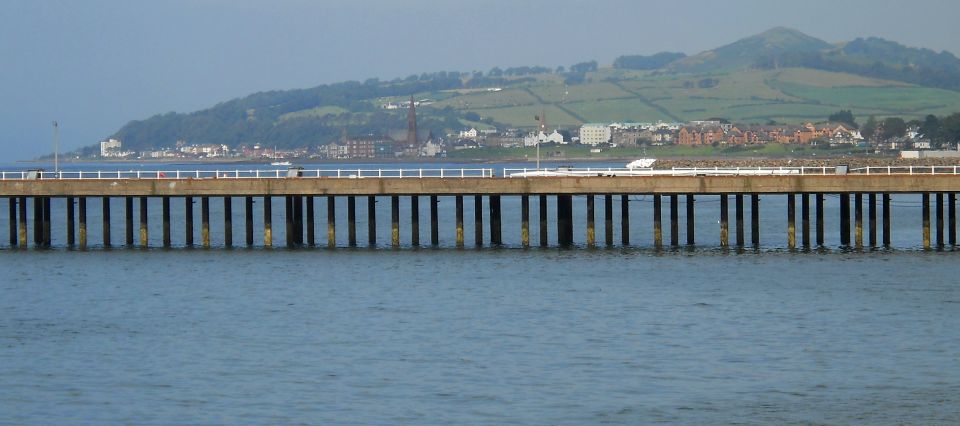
(652, 62)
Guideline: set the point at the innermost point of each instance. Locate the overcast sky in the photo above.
(94, 65)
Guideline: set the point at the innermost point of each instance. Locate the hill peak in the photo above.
(745, 51)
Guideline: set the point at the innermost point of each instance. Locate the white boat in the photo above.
(281, 163)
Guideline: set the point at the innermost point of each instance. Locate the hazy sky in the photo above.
(94, 65)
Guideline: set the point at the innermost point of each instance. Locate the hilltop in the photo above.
(781, 75)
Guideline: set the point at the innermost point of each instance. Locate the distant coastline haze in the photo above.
(95, 65)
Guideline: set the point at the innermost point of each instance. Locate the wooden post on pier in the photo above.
(657, 221)
(939, 213)
(543, 221)
(22, 222)
(459, 219)
(858, 220)
(166, 221)
(106, 221)
(395, 221)
(82, 213)
(872, 219)
(674, 219)
(372, 220)
(495, 217)
(886, 220)
(525, 220)
(925, 207)
(46, 222)
(37, 221)
(738, 200)
(415, 220)
(128, 221)
(691, 220)
(188, 221)
(298, 220)
(724, 221)
(820, 233)
(608, 219)
(288, 219)
(71, 232)
(205, 221)
(12, 216)
(845, 220)
(228, 221)
(248, 220)
(352, 221)
(331, 221)
(952, 218)
(267, 221)
(805, 219)
(478, 220)
(434, 220)
(791, 221)
(311, 221)
(144, 236)
(565, 220)
(755, 219)
(624, 220)
(591, 230)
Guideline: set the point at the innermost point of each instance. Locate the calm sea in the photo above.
(485, 336)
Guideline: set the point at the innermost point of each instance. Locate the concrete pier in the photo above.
(43, 200)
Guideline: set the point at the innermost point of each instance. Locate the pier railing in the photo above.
(473, 172)
(251, 174)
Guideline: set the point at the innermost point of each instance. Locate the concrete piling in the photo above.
(227, 221)
(459, 219)
(82, 215)
(608, 219)
(478, 220)
(738, 200)
(657, 224)
(268, 221)
(925, 212)
(525, 221)
(166, 221)
(128, 221)
(188, 221)
(496, 238)
(755, 219)
(248, 220)
(205, 221)
(724, 221)
(372, 220)
(144, 233)
(625, 220)
(415, 221)
(543, 221)
(434, 220)
(331, 221)
(352, 221)
(395, 221)
(591, 231)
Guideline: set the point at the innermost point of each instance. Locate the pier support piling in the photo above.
(525, 220)
(791, 221)
(12, 216)
(331, 221)
(872, 219)
(165, 206)
(22, 222)
(395, 221)
(268, 221)
(312, 220)
(755, 219)
(886, 220)
(565, 220)
(228, 221)
(724, 221)
(47, 219)
(625, 220)
(952, 218)
(858, 220)
(352, 221)
(81, 212)
(925, 207)
(691, 221)
(188, 221)
(674, 221)
(71, 232)
(608, 219)
(820, 227)
(591, 231)
(805, 220)
(128, 221)
(415, 221)
(543, 221)
(939, 213)
(845, 220)
(738, 200)
(205, 221)
(106, 220)
(478, 220)
(459, 219)
(144, 233)
(372, 220)
(657, 224)
(434, 220)
(248, 220)
(495, 224)
(37, 221)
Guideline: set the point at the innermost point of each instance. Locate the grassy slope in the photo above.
(754, 96)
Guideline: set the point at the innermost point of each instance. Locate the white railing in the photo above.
(731, 171)
(252, 174)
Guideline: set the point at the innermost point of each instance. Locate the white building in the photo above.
(534, 139)
(111, 148)
(468, 134)
(594, 133)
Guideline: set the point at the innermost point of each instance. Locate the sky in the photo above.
(94, 65)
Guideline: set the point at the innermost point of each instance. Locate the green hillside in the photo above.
(780, 75)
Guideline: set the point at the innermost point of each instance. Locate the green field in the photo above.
(791, 95)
